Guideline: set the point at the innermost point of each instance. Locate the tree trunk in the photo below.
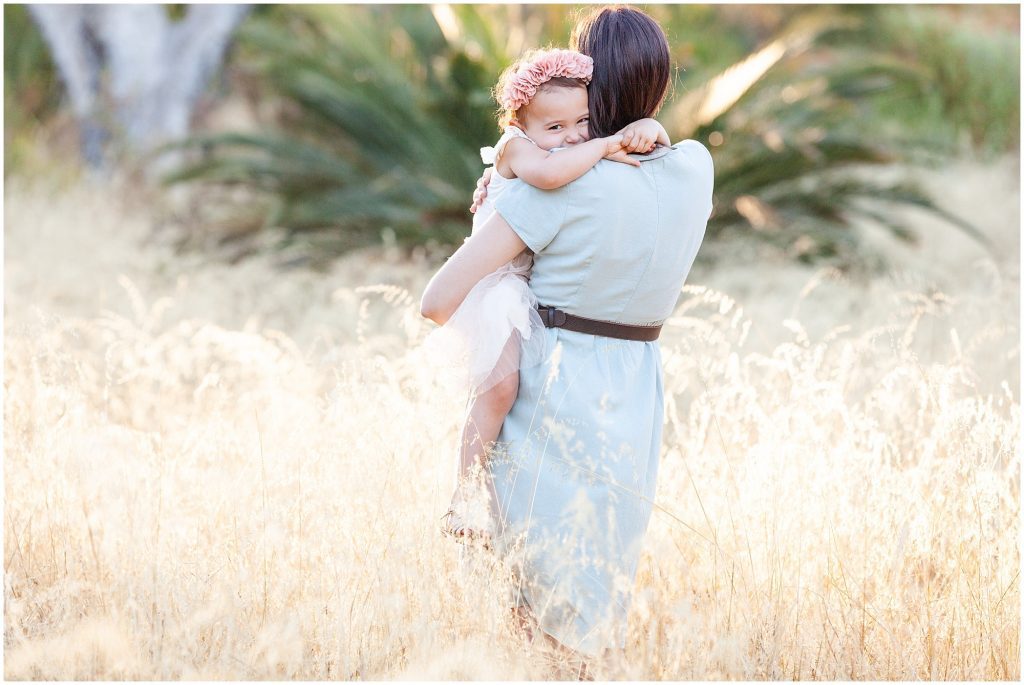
(156, 68)
(76, 55)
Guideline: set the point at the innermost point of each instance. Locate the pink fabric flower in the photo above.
(546, 65)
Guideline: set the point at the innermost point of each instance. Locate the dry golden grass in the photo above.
(222, 472)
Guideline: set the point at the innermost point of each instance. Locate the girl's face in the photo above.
(557, 117)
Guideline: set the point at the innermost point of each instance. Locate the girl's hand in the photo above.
(481, 189)
(634, 140)
(616, 152)
(640, 136)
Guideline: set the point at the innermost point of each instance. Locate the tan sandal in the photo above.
(459, 530)
(468, 519)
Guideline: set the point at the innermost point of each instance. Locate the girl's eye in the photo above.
(555, 127)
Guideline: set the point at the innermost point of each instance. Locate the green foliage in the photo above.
(968, 84)
(391, 103)
(791, 150)
(31, 87)
(389, 116)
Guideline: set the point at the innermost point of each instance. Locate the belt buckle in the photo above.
(554, 318)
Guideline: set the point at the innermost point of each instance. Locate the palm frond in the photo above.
(389, 105)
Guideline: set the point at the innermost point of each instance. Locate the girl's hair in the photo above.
(553, 59)
(631, 66)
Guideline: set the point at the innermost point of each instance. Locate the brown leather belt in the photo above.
(556, 318)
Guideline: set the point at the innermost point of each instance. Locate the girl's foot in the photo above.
(455, 527)
(468, 519)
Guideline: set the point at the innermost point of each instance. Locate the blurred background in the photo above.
(347, 126)
(218, 221)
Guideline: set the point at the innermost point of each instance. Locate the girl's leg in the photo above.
(486, 415)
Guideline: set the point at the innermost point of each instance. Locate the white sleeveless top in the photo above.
(498, 182)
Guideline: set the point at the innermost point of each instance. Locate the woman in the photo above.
(577, 458)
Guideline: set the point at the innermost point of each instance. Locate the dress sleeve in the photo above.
(700, 154)
(535, 215)
(700, 168)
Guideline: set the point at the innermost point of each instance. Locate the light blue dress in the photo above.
(576, 462)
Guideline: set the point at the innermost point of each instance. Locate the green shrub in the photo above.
(391, 104)
(967, 93)
(31, 88)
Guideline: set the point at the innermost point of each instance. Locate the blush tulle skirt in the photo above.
(494, 332)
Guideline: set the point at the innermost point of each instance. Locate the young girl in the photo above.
(497, 329)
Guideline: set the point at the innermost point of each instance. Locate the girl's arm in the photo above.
(492, 245)
(549, 170)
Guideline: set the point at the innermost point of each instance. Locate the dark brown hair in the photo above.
(631, 66)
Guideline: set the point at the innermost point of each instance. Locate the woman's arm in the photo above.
(493, 244)
(549, 170)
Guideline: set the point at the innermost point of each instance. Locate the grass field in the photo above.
(236, 471)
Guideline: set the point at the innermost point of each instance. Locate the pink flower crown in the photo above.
(544, 66)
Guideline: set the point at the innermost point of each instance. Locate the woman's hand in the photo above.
(481, 189)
